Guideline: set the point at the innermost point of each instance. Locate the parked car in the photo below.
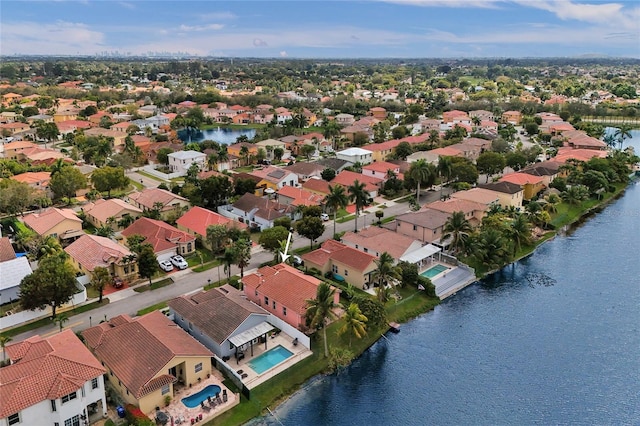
(324, 217)
(166, 265)
(297, 260)
(179, 262)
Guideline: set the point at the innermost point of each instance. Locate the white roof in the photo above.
(250, 334)
(13, 271)
(354, 151)
(187, 155)
(422, 253)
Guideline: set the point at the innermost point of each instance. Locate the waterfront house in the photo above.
(343, 262)
(283, 291)
(53, 380)
(147, 357)
(530, 184)
(473, 211)
(166, 240)
(375, 241)
(509, 194)
(478, 195)
(425, 225)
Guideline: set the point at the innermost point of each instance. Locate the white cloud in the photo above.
(216, 16)
(283, 53)
(58, 38)
(484, 4)
(258, 42)
(127, 5)
(209, 27)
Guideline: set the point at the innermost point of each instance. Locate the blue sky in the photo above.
(324, 29)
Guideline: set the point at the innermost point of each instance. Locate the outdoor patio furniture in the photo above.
(244, 376)
(295, 342)
(240, 371)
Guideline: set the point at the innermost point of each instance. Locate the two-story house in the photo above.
(343, 262)
(181, 161)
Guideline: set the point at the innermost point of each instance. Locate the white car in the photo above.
(166, 265)
(324, 217)
(179, 262)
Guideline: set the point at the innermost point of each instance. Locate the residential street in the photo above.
(130, 302)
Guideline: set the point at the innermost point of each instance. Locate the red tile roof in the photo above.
(346, 178)
(453, 205)
(6, 250)
(104, 209)
(137, 350)
(380, 240)
(521, 179)
(334, 250)
(43, 222)
(45, 369)
(300, 196)
(148, 197)
(198, 219)
(317, 185)
(33, 177)
(285, 285)
(159, 234)
(92, 251)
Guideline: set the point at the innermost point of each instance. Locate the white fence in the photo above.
(164, 176)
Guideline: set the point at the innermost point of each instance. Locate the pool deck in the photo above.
(450, 281)
(254, 379)
(178, 411)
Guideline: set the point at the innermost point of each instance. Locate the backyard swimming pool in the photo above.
(269, 359)
(434, 270)
(193, 401)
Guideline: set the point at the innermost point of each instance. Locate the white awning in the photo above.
(422, 253)
(250, 334)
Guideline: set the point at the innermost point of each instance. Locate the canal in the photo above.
(551, 339)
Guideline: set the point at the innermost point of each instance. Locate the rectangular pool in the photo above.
(269, 359)
(434, 270)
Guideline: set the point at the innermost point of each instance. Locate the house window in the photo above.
(73, 421)
(165, 389)
(126, 269)
(366, 250)
(53, 405)
(266, 300)
(334, 269)
(189, 247)
(346, 272)
(67, 398)
(356, 246)
(198, 367)
(94, 383)
(13, 419)
(284, 310)
(274, 304)
(415, 227)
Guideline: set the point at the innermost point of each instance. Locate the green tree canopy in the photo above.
(147, 262)
(310, 227)
(109, 178)
(67, 182)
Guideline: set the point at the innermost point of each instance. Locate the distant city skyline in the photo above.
(322, 29)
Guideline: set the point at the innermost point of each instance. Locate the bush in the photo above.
(235, 282)
(135, 416)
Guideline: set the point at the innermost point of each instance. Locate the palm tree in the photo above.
(244, 153)
(458, 228)
(520, 232)
(60, 320)
(48, 132)
(212, 160)
(421, 172)
(445, 169)
(385, 270)
(551, 203)
(491, 248)
(434, 138)
(228, 258)
(354, 322)
(336, 200)
(622, 133)
(57, 166)
(610, 140)
(320, 309)
(242, 249)
(358, 196)
(3, 342)
(476, 120)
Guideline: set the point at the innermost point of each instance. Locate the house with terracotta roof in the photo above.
(473, 211)
(345, 263)
(147, 357)
(59, 223)
(6, 250)
(381, 151)
(15, 150)
(346, 178)
(37, 180)
(283, 291)
(256, 212)
(317, 186)
(165, 239)
(91, 251)
(100, 212)
(567, 153)
(375, 241)
(512, 117)
(425, 225)
(152, 198)
(381, 169)
(53, 380)
(433, 156)
(235, 149)
(530, 184)
(478, 195)
(296, 197)
(509, 194)
(198, 219)
(14, 127)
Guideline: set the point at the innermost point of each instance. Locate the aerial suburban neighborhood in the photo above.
(287, 226)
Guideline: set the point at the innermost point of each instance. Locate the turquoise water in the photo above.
(222, 135)
(269, 359)
(193, 401)
(433, 271)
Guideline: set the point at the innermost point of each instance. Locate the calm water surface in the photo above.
(553, 339)
(221, 135)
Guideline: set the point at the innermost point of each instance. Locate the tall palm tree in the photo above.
(336, 200)
(244, 153)
(551, 203)
(359, 196)
(3, 342)
(434, 138)
(57, 166)
(320, 309)
(60, 320)
(212, 160)
(354, 322)
(491, 248)
(520, 232)
(385, 270)
(610, 140)
(445, 169)
(422, 173)
(622, 133)
(458, 228)
(242, 249)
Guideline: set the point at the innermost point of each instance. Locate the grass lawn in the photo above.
(136, 185)
(207, 266)
(150, 176)
(244, 169)
(200, 256)
(152, 308)
(158, 284)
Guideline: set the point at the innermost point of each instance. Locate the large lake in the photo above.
(553, 339)
(222, 135)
